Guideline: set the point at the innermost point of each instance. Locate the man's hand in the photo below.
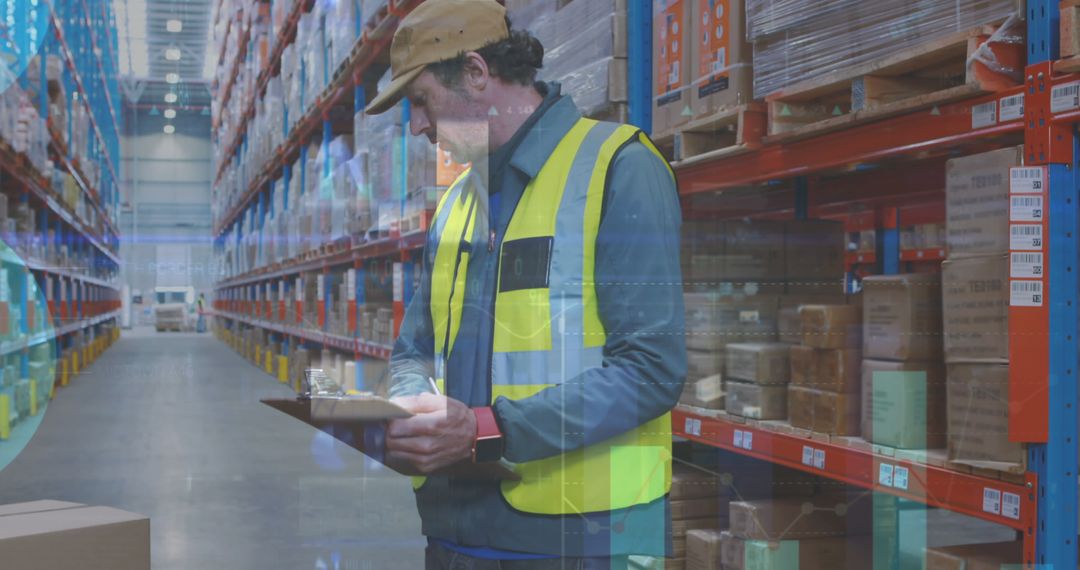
(441, 432)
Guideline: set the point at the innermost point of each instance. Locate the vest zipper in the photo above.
(491, 241)
(462, 244)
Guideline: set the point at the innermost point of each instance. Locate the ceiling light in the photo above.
(172, 78)
(172, 54)
(174, 26)
(154, 112)
(169, 129)
(170, 97)
(170, 113)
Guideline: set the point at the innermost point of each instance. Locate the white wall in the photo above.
(166, 230)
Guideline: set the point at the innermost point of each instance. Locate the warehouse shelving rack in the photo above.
(1044, 354)
(249, 299)
(69, 299)
(900, 152)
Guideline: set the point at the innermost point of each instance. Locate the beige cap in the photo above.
(435, 31)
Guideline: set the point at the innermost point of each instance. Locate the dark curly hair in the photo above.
(514, 60)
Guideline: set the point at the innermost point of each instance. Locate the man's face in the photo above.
(451, 117)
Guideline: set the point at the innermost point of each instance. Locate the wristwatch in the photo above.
(488, 445)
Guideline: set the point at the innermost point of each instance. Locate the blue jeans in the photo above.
(200, 325)
(438, 557)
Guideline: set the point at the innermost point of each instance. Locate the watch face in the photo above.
(489, 449)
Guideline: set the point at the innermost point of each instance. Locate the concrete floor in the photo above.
(170, 425)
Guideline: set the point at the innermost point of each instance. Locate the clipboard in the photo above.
(358, 421)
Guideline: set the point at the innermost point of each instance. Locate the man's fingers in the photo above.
(421, 403)
(419, 425)
(416, 445)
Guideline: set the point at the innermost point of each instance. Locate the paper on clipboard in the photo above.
(357, 421)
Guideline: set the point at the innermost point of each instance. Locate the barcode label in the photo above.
(1025, 293)
(819, 458)
(1010, 506)
(1012, 108)
(1025, 237)
(737, 439)
(1025, 265)
(885, 474)
(1065, 97)
(1026, 180)
(984, 115)
(991, 501)
(299, 289)
(748, 441)
(1025, 208)
(689, 427)
(900, 477)
(807, 455)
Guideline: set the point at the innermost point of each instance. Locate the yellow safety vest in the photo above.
(547, 335)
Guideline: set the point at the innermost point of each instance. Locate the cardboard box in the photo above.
(831, 326)
(704, 363)
(977, 202)
(822, 411)
(715, 319)
(988, 556)
(789, 325)
(759, 362)
(691, 483)
(975, 308)
(55, 534)
(703, 549)
(903, 404)
(902, 317)
(720, 61)
(836, 370)
(978, 417)
(799, 517)
(814, 251)
(830, 553)
(671, 56)
(702, 507)
(756, 401)
(754, 250)
(706, 392)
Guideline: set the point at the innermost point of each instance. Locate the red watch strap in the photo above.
(486, 426)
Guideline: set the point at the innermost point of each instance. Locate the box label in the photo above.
(900, 477)
(1027, 180)
(713, 45)
(1010, 506)
(1065, 97)
(1012, 108)
(1026, 265)
(1025, 293)
(991, 501)
(984, 115)
(885, 474)
(1025, 237)
(669, 75)
(1025, 208)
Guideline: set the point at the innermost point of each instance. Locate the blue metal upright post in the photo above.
(1055, 462)
(639, 73)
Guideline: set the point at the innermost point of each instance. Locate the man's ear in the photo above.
(476, 73)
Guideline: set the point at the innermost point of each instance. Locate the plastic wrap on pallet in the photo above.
(584, 48)
(841, 33)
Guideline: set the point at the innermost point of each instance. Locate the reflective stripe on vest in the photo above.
(547, 327)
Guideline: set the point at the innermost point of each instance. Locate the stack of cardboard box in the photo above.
(757, 375)
(903, 377)
(824, 395)
(976, 310)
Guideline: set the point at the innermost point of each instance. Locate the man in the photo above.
(200, 324)
(549, 312)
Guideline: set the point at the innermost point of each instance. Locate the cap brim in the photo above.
(388, 97)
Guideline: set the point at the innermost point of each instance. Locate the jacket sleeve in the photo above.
(639, 295)
(412, 359)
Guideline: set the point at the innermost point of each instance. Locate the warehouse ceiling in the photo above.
(165, 61)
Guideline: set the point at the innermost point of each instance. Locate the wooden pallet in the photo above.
(924, 76)
(730, 131)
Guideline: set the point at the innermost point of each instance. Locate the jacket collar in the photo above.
(540, 141)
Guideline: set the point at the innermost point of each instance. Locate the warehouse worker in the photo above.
(200, 324)
(549, 312)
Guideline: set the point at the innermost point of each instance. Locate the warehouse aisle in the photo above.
(169, 425)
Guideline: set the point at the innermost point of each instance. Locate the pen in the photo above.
(434, 386)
